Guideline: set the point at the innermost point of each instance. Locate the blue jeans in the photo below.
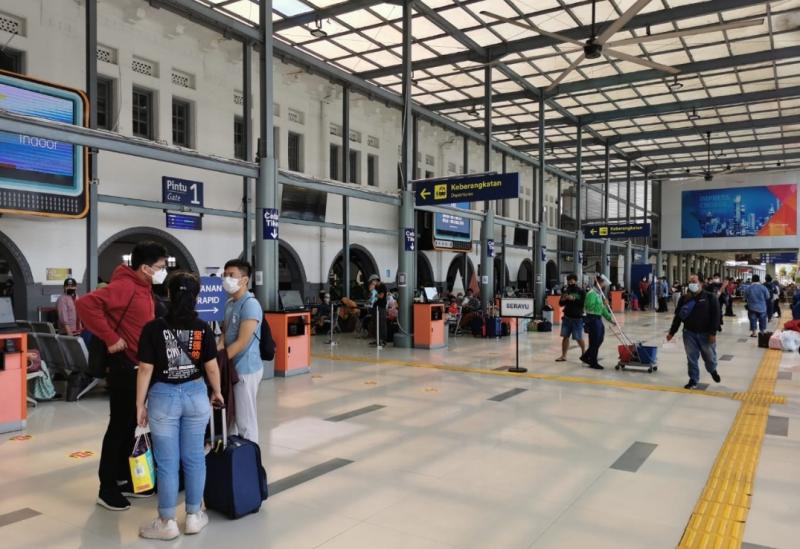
(696, 345)
(760, 318)
(572, 327)
(597, 331)
(179, 414)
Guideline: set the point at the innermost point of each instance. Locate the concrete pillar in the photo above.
(579, 256)
(628, 262)
(660, 263)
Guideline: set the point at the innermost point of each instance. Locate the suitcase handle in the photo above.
(224, 428)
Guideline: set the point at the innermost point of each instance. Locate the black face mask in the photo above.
(72, 291)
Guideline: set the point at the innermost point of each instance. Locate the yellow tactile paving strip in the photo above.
(719, 517)
(749, 396)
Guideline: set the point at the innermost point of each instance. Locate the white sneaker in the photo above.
(195, 522)
(159, 529)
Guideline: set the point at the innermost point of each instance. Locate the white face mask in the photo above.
(159, 277)
(716, 280)
(230, 285)
(694, 287)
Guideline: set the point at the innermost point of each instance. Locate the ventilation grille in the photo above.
(142, 66)
(106, 54)
(182, 79)
(373, 142)
(11, 24)
(336, 130)
(429, 160)
(298, 117)
(355, 136)
(238, 98)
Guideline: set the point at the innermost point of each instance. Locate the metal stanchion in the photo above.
(334, 318)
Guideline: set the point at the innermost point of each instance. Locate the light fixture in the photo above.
(473, 112)
(694, 115)
(675, 85)
(517, 135)
(317, 31)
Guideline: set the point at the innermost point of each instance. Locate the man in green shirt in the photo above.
(596, 311)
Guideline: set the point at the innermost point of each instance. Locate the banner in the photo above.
(764, 211)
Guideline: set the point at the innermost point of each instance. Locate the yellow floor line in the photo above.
(719, 517)
(749, 396)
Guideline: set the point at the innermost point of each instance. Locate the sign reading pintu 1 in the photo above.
(211, 299)
(471, 188)
(181, 191)
(628, 230)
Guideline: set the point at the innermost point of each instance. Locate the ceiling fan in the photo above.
(599, 45)
(708, 175)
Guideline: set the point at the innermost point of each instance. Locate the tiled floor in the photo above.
(436, 463)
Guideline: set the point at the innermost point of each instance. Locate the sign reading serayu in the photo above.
(181, 191)
(474, 188)
(628, 230)
(270, 223)
(211, 300)
(516, 307)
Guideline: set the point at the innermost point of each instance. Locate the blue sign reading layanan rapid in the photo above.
(474, 188)
(211, 300)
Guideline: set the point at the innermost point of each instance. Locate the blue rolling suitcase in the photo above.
(494, 326)
(236, 482)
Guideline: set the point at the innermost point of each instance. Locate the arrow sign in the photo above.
(474, 188)
(271, 217)
(410, 239)
(625, 231)
(211, 299)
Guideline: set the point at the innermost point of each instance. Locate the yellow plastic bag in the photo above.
(143, 471)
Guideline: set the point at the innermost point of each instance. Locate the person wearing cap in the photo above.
(596, 310)
(68, 323)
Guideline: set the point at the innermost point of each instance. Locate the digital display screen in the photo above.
(300, 203)
(33, 163)
(453, 227)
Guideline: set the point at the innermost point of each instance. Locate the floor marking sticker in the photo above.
(21, 438)
(81, 454)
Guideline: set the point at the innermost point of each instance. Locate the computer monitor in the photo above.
(291, 300)
(6, 313)
(431, 294)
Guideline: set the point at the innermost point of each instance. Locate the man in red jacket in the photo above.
(116, 314)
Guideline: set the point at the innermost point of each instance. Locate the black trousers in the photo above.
(597, 331)
(118, 440)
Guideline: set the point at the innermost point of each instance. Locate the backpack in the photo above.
(266, 345)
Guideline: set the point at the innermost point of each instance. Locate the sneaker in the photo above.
(113, 501)
(690, 385)
(128, 492)
(715, 376)
(596, 367)
(160, 529)
(195, 522)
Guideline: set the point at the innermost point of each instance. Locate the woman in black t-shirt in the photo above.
(174, 352)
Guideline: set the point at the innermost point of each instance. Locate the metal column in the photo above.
(628, 262)
(266, 275)
(540, 247)
(646, 193)
(628, 193)
(465, 169)
(406, 278)
(346, 179)
(247, 122)
(503, 281)
(578, 255)
(660, 263)
(606, 258)
(606, 183)
(487, 227)
(91, 92)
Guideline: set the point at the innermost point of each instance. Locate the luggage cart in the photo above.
(633, 355)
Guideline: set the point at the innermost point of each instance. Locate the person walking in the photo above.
(243, 318)
(175, 351)
(596, 310)
(757, 298)
(663, 294)
(698, 311)
(730, 290)
(116, 314)
(773, 296)
(572, 300)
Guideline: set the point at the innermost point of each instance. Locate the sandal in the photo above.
(561, 359)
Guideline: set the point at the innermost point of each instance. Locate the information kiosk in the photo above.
(291, 330)
(429, 326)
(13, 371)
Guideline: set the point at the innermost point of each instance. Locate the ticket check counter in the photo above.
(292, 334)
(13, 381)
(429, 327)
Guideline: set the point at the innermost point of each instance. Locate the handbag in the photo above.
(143, 471)
(98, 352)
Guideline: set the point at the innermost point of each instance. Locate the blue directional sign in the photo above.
(779, 257)
(544, 253)
(184, 222)
(181, 191)
(490, 248)
(410, 239)
(625, 231)
(474, 188)
(270, 223)
(211, 299)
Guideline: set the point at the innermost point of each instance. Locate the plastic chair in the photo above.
(77, 358)
(43, 328)
(51, 352)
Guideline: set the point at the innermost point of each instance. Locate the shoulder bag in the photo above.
(98, 352)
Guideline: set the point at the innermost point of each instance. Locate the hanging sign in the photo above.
(410, 240)
(270, 223)
(475, 188)
(628, 230)
(490, 248)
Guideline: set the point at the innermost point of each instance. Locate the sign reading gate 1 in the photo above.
(469, 188)
(211, 300)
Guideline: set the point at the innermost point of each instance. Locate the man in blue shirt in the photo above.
(243, 318)
(757, 297)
